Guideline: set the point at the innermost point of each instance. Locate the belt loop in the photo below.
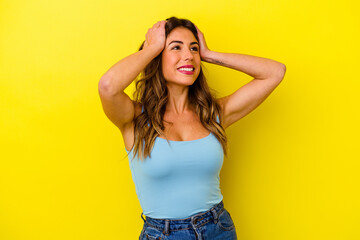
(167, 224)
(143, 217)
(215, 215)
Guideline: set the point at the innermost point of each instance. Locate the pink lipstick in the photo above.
(186, 69)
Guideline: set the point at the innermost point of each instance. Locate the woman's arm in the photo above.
(257, 67)
(121, 74)
(267, 76)
(118, 106)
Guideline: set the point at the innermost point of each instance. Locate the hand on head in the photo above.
(204, 50)
(155, 36)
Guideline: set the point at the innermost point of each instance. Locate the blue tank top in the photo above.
(180, 179)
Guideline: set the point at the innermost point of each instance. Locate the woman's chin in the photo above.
(185, 83)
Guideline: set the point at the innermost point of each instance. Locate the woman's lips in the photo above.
(186, 72)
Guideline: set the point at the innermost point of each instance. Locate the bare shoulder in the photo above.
(127, 131)
(138, 108)
(222, 102)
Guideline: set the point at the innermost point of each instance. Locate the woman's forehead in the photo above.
(180, 34)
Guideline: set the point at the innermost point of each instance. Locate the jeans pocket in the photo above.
(225, 221)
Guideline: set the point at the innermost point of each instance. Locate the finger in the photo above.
(198, 30)
(157, 24)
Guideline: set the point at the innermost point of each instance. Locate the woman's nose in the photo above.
(188, 55)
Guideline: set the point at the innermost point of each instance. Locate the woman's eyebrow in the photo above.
(183, 43)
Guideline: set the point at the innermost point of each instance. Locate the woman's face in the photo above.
(181, 57)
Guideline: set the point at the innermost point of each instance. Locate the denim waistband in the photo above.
(167, 225)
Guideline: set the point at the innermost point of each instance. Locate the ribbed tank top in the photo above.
(181, 179)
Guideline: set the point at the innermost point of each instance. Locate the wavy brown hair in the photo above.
(152, 93)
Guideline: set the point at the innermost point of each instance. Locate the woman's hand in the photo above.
(204, 50)
(155, 37)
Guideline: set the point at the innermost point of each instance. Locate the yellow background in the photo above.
(292, 171)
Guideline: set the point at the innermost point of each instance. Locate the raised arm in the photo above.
(118, 106)
(267, 76)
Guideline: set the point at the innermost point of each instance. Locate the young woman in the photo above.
(174, 130)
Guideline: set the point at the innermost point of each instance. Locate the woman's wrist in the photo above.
(207, 56)
(211, 57)
(153, 50)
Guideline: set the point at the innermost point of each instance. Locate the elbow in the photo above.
(107, 86)
(280, 71)
(104, 84)
(283, 70)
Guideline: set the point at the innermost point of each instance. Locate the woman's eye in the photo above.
(193, 48)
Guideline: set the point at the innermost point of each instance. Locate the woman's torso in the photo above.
(181, 177)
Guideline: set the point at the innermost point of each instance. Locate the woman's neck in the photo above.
(178, 102)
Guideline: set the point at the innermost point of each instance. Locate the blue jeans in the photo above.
(214, 224)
